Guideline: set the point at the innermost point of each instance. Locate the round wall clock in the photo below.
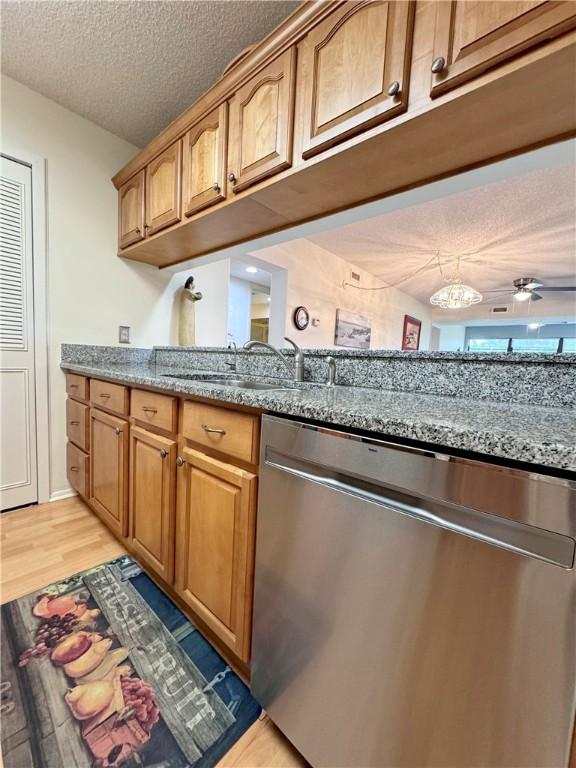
(301, 318)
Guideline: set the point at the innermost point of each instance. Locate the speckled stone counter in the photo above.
(541, 435)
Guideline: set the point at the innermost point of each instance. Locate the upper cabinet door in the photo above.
(131, 211)
(261, 123)
(356, 68)
(163, 176)
(473, 35)
(204, 169)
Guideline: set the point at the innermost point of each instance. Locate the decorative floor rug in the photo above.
(102, 669)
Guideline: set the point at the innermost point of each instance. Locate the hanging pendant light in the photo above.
(455, 295)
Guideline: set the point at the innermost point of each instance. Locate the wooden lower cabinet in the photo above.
(152, 500)
(216, 518)
(78, 469)
(109, 469)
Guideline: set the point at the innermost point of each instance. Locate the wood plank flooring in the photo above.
(47, 542)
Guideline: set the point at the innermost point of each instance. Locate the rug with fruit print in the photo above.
(102, 669)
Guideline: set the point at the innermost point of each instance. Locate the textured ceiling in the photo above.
(130, 66)
(523, 226)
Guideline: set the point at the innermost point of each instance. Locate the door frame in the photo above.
(37, 164)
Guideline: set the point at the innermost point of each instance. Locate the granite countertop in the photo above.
(535, 434)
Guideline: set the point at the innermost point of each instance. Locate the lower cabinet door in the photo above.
(109, 469)
(152, 499)
(216, 516)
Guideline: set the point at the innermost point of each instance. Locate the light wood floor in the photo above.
(41, 544)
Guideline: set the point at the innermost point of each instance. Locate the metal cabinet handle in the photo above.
(438, 65)
(394, 88)
(74, 423)
(105, 395)
(149, 409)
(74, 469)
(216, 187)
(216, 430)
(179, 461)
(73, 386)
(163, 453)
(118, 431)
(231, 177)
(146, 226)
(138, 230)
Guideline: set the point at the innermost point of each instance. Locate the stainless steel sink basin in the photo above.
(227, 381)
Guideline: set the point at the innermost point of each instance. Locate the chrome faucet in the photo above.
(297, 371)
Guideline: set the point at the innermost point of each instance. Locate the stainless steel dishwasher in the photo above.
(412, 608)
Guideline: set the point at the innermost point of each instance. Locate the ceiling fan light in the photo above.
(455, 295)
(522, 295)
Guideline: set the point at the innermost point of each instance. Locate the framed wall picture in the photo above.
(352, 330)
(411, 333)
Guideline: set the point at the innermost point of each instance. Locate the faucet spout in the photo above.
(296, 372)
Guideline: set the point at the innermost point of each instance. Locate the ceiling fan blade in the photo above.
(557, 288)
(535, 297)
(499, 290)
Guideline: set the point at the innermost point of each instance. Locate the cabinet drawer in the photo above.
(77, 468)
(113, 397)
(231, 432)
(78, 424)
(77, 386)
(154, 410)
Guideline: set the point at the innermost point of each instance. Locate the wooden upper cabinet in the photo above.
(471, 35)
(204, 165)
(355, 68)
(261, 123)
(163, 178)
(131, 211)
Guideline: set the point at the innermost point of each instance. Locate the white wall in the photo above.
(314, 279)
(90, 290)
(240, 300)
(452, 338)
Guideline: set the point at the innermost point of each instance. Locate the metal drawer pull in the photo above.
(105, 395)
(206, 428)
(74, 423)
(73, 386)
(118, 431)
(149, 409)
(74, 469)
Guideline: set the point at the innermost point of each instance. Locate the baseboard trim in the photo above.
(65, 494)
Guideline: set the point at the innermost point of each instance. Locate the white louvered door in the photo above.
(18, 471)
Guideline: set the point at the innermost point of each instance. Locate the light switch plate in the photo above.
(124, 334)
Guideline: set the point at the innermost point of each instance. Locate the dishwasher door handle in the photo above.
(520, 538)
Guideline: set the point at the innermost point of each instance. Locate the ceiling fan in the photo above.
(525, 289)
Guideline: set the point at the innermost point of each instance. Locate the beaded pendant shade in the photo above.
(455, 295)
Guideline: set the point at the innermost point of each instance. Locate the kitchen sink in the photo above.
(227, 381)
